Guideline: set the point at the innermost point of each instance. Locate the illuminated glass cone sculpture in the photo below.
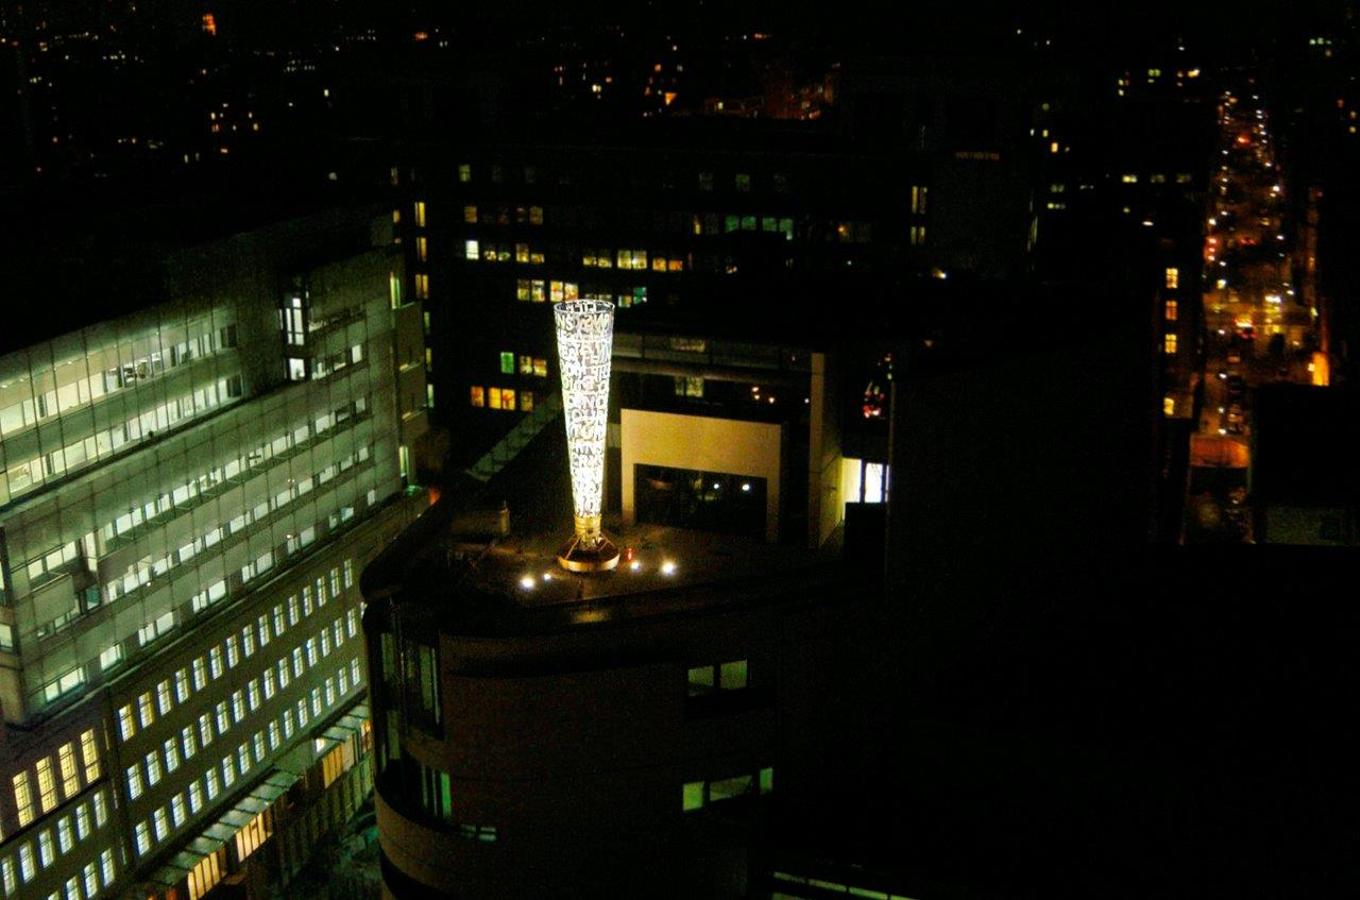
(585, 339)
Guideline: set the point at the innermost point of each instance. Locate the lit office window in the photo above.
(732, 675)
(47, 785)
(89, 756)
(692, 796)
(470, 215)
(526, 401)
(464, 172)
(1168, 405)
(420, 213)
(423, 248)
(422, 286)
(1169, 345)
(70, 778)
(472, 250)
(1172, 310)
(23, 798)
(1130, 179)
(507, 363)
(1173, 277)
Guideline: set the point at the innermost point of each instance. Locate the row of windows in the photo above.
(140, 573)
(1156, 178)
(26, 475)
(727, 676)
(487, 251)
(501, 398)
(537, 290)
(504, 215)
(220, 777)
(242, 702)
(696, 795)
(228, 654)
(742, 182)
(22, 868)
(43, 850)
(187, 495)
(21, 406)
(528, 365)
(68, 772)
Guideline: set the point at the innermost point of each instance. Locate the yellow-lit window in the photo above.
(429, 358)
(507, 398)
(470, 215)
(23, 798)
(526, 365)
(658, 263)
(918, 235)
(1168, 405)
(478, 396)
(396, 217)
(423, 248)
(422, 286)
(526, 401)
(47, 785)
(89, 755)
(70, 779)
(540, 367)
(1173, 277)
(675, 265)
(1053, 147)
(535, 215)
(521, 253)
(1130, 179)
(1169, 344)
(420, 213)
(493, 397)
(465, 172)
(1172, 310)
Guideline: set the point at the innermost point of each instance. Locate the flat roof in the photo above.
(513, 584)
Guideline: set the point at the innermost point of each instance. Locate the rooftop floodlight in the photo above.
(585, 338)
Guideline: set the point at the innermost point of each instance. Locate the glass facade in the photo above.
(232, 451)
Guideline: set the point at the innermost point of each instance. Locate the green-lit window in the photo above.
(766, 780)
(507, 364)
(692, 797)
(748, 223)
(732, 223)
(732, 675)
(743, 182)
(727, 788)
(465, 172)
(700, 681)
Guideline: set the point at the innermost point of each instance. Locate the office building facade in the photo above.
(189, 491)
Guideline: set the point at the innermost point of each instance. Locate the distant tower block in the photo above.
(585, 340)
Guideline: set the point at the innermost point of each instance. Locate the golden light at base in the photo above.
(585, 338)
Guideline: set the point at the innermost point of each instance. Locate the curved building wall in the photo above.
(599, 760)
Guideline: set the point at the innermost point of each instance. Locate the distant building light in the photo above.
(527, 582)
(668, 568)
(746, 487)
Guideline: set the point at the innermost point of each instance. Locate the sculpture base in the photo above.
(576, 557)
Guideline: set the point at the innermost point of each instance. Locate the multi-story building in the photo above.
(528, 720)
(189, 492)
